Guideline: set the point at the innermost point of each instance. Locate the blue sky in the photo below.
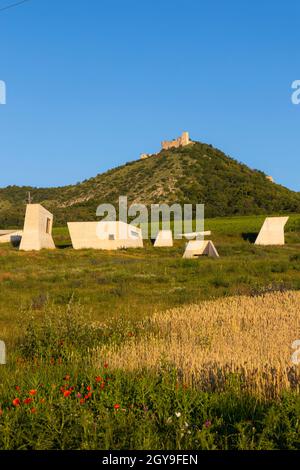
(91, 84)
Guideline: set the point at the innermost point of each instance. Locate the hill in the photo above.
(194, 174)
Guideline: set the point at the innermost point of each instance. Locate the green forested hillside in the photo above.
(195, 174)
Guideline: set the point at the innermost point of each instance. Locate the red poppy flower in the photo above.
(105, 365)
(67, 393)
(27, 401)
(32, 392)
(89, 388)
(98, 379)
(82, 401)
(17, 388)
(116, 407)
(33, 410)
(16, 402)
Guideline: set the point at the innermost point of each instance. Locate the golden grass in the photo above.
(206, 343)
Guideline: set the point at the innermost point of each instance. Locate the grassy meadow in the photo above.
(140, 349)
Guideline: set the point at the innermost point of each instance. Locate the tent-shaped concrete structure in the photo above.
(105, 235)
(196, 248)
(11, 236)
(37, 232)
(164, 238)
(272, 231)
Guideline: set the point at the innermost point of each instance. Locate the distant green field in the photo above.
(133, 283)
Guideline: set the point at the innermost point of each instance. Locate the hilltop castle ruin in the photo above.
(181, 141)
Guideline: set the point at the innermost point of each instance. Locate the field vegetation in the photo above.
(140, 349)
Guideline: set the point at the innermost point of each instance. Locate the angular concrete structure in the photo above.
(195, 235)
(104, 235)
(272, 231)
(196, 248)
(11, 236)
(2, 353)
(164, 239)
(37, 233)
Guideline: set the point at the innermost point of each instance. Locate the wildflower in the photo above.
(17, 388)
(178, 414)
(16, 402)
(32, 392)
(88, 395)
(67, 378)
(27, 401)
(207, 424)
(105, 365)
(116, 407)
(42, 400)
(33, 410)
(98, 379)
(102, 385)
(1, 412)
(66, 393)
(82, 401)
(78, 395)
(89, 388)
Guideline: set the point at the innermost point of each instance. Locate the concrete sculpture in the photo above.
(164, 239)
(105, 235)
(2, 353)
(196, 248)
(11, 236)
(272, 231)
(195, 235)
(37, 232)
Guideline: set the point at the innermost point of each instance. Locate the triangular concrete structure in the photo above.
(196, 248)
(272, 231)
(37, 233)
(164, 239)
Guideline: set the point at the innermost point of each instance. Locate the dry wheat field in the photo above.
(205, 343)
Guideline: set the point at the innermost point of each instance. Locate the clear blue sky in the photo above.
(91, 84)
